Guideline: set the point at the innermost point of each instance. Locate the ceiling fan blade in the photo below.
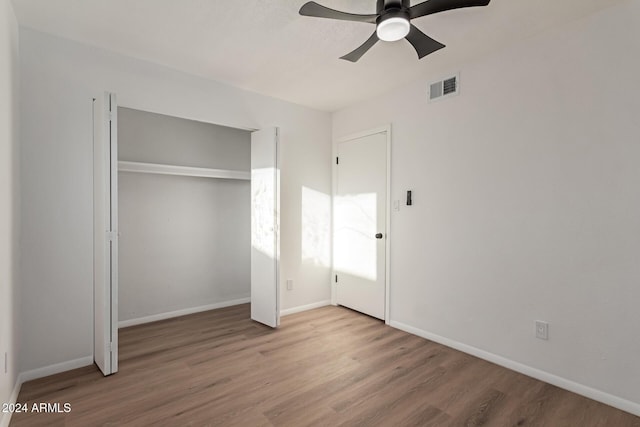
(314, 9)
(434, 6)
(422, 43)
(364, 47)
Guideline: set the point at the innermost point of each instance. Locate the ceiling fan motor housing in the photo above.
(383, 5)
(392, 13)
(393, 22)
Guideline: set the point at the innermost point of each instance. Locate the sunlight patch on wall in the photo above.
(316, 217)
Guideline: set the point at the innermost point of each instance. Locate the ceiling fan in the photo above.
(392, 22)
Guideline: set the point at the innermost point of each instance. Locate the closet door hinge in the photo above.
(112, 235)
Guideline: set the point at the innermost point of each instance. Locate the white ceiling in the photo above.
(266, 47)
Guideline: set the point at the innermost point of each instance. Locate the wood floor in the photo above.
(326, 367)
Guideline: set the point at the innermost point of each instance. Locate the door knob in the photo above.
(378, 235)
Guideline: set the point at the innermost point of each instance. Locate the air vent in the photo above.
(444, 88)
(450, 86)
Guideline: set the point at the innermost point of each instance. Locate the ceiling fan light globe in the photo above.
(393, 29)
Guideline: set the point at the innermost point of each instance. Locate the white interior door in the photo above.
(265, 221)
(105, 186)
(360, 208)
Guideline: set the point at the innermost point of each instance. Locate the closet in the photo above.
(184, 216)
(186, 219)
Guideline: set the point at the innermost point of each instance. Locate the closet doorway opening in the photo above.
(186, 219)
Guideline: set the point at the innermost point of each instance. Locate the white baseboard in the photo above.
(183, 312)
(5, 418)
(305, 307)
(591, 393)
(45, 371)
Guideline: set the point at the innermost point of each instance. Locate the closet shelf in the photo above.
(138, 167)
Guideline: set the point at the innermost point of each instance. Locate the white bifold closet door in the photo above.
(105, 228)
(265, 222)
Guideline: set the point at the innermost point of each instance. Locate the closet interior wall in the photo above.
(184, 240)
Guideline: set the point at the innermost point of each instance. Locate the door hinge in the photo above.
(112, 235)
(110, 347)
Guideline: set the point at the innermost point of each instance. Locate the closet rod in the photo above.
(156, 168)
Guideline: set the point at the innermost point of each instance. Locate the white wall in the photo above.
(9, 200)
(526, 202)
(157, 138)
(184, 244)
(184, 241)
(59, 79)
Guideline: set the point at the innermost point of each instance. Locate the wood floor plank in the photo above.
(325, 367)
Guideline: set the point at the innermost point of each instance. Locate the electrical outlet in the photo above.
(542, 330)
(289, 285)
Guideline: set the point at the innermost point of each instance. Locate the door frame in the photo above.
(334, 187)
